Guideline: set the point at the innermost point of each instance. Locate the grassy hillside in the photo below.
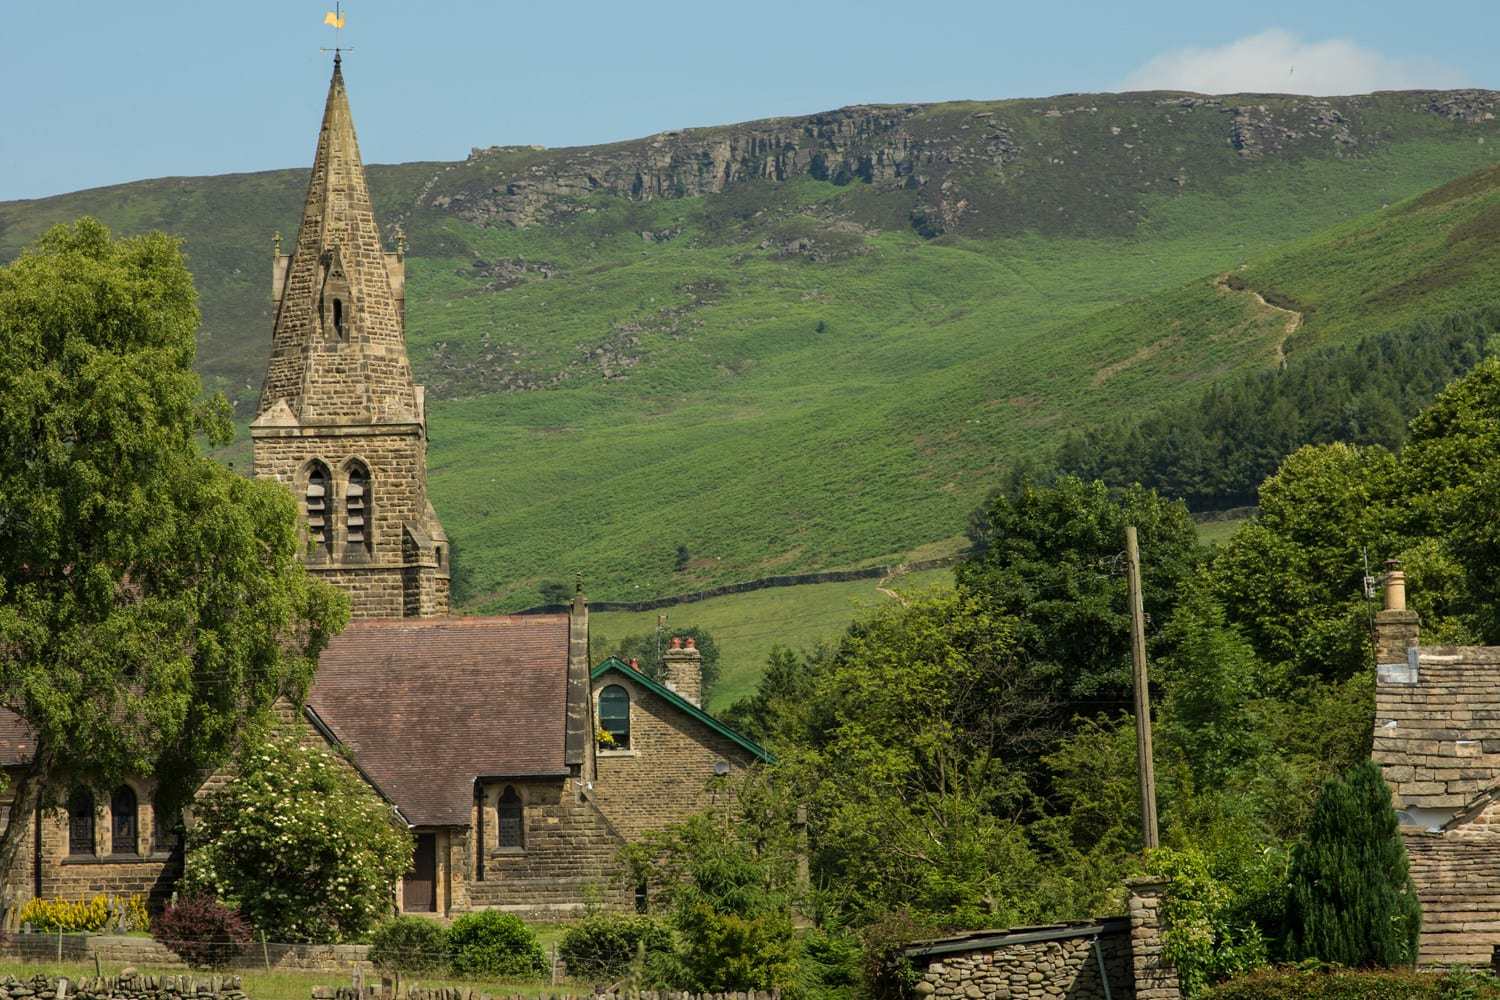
(824, 354)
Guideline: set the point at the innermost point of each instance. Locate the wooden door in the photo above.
(419, 888)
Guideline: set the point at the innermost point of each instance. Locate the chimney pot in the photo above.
(635, 664)
(692, 643)
(1395, 586)
(676, 642)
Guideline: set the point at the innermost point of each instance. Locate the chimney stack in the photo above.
(1396, 628)
(682, 669)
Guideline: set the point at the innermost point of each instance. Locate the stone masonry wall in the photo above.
(121, 950)
(133, 987)
(454, 993)
(1155, 977)
(377, 580)
(569, 858)
(668, 771)
(1066, 969)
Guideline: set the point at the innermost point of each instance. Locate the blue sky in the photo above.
(98, 93)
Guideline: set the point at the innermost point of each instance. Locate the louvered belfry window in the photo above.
(319, 508)
(357, 508)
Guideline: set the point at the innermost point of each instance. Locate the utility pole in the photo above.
(1144, 765)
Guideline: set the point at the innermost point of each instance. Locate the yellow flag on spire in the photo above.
(335, 19)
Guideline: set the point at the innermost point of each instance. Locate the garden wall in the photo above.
(451, 993)
(134, 987)
(147, 951)
(1117, 958)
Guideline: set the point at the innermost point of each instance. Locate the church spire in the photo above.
(340, 421)
(338, 351)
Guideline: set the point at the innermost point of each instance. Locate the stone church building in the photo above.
(486, 735)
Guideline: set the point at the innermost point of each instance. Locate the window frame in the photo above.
(131, 837)
(81, 815)
(510, 802)
(609, 691)
(320, 539)
(357, 470)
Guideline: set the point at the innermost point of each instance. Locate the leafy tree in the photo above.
(1053, 562)
(1291, 581)
(555, 592)
(726, 879)
(1209, 937)
(681, 558)
(1351, 900)
(775, 712)
(150, 599)
(299, 842)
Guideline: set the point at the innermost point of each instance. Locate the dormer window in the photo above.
(357, 507)
(318, 509)
(335, 297)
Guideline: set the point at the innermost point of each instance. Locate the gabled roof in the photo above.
(426, 705)
(615, 665)
(1437, 726)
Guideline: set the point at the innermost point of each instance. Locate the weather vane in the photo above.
(335, 19)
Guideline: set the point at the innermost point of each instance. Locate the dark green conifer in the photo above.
(1351, 898)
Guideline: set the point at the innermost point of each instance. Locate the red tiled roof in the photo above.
(428, 704)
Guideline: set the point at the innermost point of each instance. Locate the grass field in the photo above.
(793, 378)
(747, 626)
(290, 985)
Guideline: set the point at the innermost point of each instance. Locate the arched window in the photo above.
(319, 509)
(512, 820)
(123, 828)
(357, 507)
(81, 822)
(614, 717)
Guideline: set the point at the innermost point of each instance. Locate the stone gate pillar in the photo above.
(1155, 977)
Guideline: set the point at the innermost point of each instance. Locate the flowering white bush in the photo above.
(299, 842)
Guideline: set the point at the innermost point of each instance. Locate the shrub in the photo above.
(299, 842)
(126, 913)
(410, 944)
(1351, 900)
(203, 932)
(1347, 984)
(493, 944)
(602, 946)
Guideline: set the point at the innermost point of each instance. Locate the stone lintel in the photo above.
(339, 430)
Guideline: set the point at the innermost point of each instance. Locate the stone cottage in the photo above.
(520, 769)
(1437, 740)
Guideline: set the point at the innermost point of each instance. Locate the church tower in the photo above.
(340, 421)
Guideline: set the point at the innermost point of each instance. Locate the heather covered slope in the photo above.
(811, 343)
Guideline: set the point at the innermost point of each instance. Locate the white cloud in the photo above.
(1277, 61)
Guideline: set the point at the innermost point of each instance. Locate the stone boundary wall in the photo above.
(794, 580)
(134, 987)
(148, 951)
(1069, 962)
(453, 993)
(1116, 958)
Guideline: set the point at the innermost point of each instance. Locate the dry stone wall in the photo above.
(124, 987)
(1066, 968)
(453, 993)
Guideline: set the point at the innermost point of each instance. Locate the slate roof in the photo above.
(16, 744)
(427, 705)
(1437, 732)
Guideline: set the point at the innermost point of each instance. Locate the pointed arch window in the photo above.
(357, 508)
(123, 825)
(614, 717)
(512, 816)
(319, 509)
(81, 822)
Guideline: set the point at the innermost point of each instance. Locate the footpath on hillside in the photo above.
(1293, 318)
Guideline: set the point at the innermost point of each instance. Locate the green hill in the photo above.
(815, 343)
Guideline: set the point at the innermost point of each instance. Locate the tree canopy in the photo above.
(150, 599)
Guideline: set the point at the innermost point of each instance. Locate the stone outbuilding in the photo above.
(1437, 740)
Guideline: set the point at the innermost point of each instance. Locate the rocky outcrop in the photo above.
(869, 144)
